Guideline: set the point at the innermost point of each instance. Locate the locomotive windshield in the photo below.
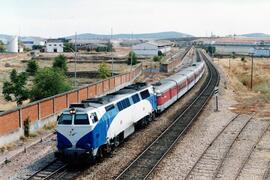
(65, 119)
(81, 119)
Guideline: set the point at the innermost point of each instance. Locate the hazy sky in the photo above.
(52, 18)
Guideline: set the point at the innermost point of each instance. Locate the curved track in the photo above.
(146, 162)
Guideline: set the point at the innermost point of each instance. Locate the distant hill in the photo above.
(256, 35)
(160, 35)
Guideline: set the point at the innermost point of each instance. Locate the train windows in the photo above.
(109, 107)
(65, 119)
(135, 98)
(81, 119)
(123, 104)
(145, 94)
(94, 117)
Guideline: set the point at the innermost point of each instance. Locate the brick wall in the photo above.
(13, 119)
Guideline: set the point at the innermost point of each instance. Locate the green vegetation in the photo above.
(49, 82)
(60, 62)
(104, 71)
(37, 47)
(264, 88)
(32, 67)
(132, 58)
(15, 89)
(211, 49)
(69, 47)
(233, 55)
(2, 47)
(157, 58)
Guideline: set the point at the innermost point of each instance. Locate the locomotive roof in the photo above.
(92, 103)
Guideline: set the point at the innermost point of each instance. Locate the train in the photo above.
(96, 126)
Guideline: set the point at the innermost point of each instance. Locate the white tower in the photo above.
(12, 45)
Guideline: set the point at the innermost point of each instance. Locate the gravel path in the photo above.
(27, 163)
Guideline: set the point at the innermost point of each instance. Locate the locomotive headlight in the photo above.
(72, 111)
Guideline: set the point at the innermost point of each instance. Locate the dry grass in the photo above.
(239, 75)
(50, 126)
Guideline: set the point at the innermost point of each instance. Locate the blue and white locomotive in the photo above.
(96, 125)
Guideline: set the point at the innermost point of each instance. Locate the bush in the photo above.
(60, 62)
(32, 67)
(103, 71)
(49, 82)
(157, 58)
(132, 56)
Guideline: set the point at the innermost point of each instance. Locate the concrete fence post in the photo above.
(67, 101)
(39, 109)
(20, 118)
(53, 103)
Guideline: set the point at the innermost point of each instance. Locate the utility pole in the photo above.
(75, 73)
(251, 75)
(229, 64)
(131, 55)
(112, 48)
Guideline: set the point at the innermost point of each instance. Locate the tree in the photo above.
(15, 89)
(37, 47)
(2, 47)
(32, 67)
(211, 50)
(68, 47)
(233, 55)
(132, 57)
(49, 82)
(60, 62)
(104, 71)
(109, 47)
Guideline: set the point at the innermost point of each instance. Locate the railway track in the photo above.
(240, 170)
(210, 161)
(146, 162)
(50, 171)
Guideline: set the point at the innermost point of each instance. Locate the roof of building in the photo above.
(54, 41)
(160, 43)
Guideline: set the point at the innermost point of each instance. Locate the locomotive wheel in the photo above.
(153, 116)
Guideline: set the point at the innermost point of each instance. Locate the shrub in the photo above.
(132, 58)
(32, 67)
(103, 71)
(60, 62)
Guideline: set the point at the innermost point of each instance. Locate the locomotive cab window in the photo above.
(109, 107)
(94, 117)
(81, 119)
(145, 94)
(65, 119)
(135, 98)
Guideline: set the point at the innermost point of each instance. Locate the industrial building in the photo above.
(54, 46)
(241, 46)
(13, 45)
(152, 48)
(29, 42)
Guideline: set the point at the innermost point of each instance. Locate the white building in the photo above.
(152, 48)
(54, 46)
